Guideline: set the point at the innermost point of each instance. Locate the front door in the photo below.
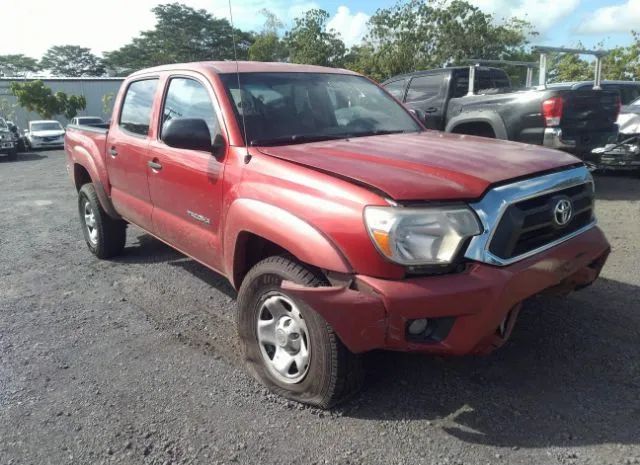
(186, 185)
(126, 157)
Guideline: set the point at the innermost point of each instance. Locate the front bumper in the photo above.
(7, 145)
(40, 144)
(481, 303)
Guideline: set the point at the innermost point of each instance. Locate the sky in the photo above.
(32, 26)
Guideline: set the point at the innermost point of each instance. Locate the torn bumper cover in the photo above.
(471, 312)
(624, 155)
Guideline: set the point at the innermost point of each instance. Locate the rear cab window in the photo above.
(135, 115)
(485, 79)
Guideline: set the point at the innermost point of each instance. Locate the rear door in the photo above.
(186, 185)
(127, 156)
(397, 88)
(427, 93)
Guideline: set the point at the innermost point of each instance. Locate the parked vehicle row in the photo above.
(40, 134)
(343, 224)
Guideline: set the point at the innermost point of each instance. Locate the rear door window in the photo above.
(135, 115)
(424, 87)
(396, 88)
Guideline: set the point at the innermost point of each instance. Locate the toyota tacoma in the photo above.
(344, 225)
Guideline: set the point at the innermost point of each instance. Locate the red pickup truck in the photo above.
(344, 225)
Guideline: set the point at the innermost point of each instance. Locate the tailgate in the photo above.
(589, 110)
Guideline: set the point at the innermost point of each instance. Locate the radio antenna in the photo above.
(247, 157)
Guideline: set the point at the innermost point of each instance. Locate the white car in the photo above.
(87, 121)
(44, 134)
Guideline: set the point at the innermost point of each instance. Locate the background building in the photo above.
(93, 88)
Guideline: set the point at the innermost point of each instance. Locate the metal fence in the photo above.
(93, 89)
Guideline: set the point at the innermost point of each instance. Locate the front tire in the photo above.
(288, 346)
(104, 235)
(13, 154)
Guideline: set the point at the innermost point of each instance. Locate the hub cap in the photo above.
(90, 223)
(283, 339)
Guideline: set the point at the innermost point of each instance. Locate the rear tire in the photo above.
(104, 235)
(332, 373)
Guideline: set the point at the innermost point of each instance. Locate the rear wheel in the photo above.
(104, 236)
(288, 346)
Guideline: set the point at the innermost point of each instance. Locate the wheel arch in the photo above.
(465, 121)
(83, 172)
(255, 230)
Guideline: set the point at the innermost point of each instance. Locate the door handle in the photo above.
(431, 110)
(113, 152)
(154, 165)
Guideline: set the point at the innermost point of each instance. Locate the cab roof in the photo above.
(223, 67)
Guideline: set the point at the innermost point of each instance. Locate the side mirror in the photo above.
(421, 115)
(188, 133)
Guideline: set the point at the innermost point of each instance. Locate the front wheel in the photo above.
(104, 235)
(288, 346)
(13, 154)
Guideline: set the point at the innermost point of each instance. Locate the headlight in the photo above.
(420, 236)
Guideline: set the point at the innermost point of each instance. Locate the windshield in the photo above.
(3, 125)
(635, 103)
(299, 107)
(53, 126)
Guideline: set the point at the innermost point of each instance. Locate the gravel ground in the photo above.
(134, 360)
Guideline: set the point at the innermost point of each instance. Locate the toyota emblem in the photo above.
(562, 212)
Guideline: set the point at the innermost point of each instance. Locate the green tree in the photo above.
(567, 67)
(623, 62)
(427, 34)
(17, 65)
(38, 98)
(310, 42)
(7, 109)
(72, 61)
(267, 45)
(181, 34)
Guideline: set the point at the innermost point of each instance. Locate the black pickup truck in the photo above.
(576, 121)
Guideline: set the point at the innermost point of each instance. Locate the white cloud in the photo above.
(32, 26)
(542, 14)
(616, 18)
(352, 27)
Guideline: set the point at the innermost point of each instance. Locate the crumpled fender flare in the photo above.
(283, 228)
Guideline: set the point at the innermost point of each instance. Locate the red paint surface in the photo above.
(309, 200)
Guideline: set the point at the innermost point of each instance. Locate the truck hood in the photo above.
(425, 166)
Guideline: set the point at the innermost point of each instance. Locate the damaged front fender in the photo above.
(358, 318)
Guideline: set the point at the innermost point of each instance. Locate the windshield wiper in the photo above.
(379, 132)
(303, 138)
(296, 139)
